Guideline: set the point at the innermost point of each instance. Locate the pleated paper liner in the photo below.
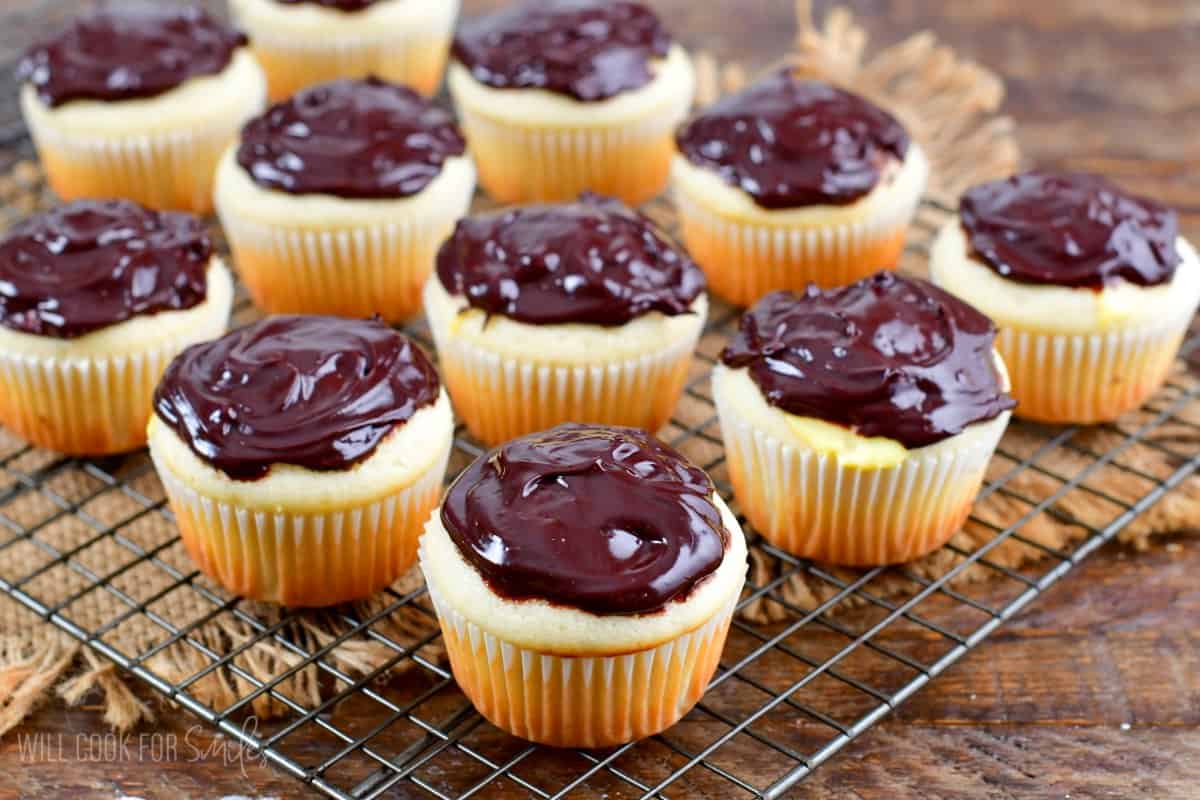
(500, 397)
(415, 56)
(949, 104)
(584, 700)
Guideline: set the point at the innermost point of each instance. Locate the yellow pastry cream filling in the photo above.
(851, 449)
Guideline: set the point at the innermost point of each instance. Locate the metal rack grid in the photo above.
(787, 695)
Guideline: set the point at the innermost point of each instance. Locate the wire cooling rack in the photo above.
(787, 696)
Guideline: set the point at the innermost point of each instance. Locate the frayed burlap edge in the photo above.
(37, 661)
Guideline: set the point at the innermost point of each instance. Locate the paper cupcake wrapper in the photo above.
(305, 559)
(95, 405)
(500, 397)
(546, 164)
(163, 170)
(745, 260)
(415, 57)
(355, 272)
(812, 506)
(581, 701)
(1081, 378)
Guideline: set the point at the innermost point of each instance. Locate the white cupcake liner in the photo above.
(169, 169)
(811, 505)
(412, 56)
(756, 258)
(89, 405)
(581, 701)
(351, 272)
(520, 164)
(1086, 378)
(501, 397)
(304, 559)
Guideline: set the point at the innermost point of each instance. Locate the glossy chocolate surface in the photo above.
(789, 142)
(586, 49)
(314, 392)
(1069, 229)
(350, 138)
(593, 261)
(887, 356)
(127, 53)
(95, 263)
(337, 5)
(606, 520)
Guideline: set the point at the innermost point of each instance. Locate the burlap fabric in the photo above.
(53, 505)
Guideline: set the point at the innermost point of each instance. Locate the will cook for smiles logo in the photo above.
(196, 744)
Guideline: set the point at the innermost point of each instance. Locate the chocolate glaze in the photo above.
(350, 138)
(607, 520)
(887, 356)
(121, 54)
(586, 49)
(337, 5)
(314, 392)
(594, 261)
(94, 263)
(1069, 229)
(789, 142)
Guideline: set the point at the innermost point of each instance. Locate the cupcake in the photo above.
(792, 181)
(303, 42)
(1093, 289)
(96, 298)
(139, 103)
(858, 421)
(562, 96)
(584, 578)
(302, 455)
(580, 312)
(335, 200)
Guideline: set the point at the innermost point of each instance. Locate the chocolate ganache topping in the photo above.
(94, 263)
(1069, 229)
(121, 54)
(789, 142)
(593, 261)
(586, 49)
(314, 392)
(607, 520)
(887, 356)
(337, 5)
(350, 138)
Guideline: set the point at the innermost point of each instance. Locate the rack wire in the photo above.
(787, 696)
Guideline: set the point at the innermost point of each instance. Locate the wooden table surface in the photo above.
(1092, 692)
